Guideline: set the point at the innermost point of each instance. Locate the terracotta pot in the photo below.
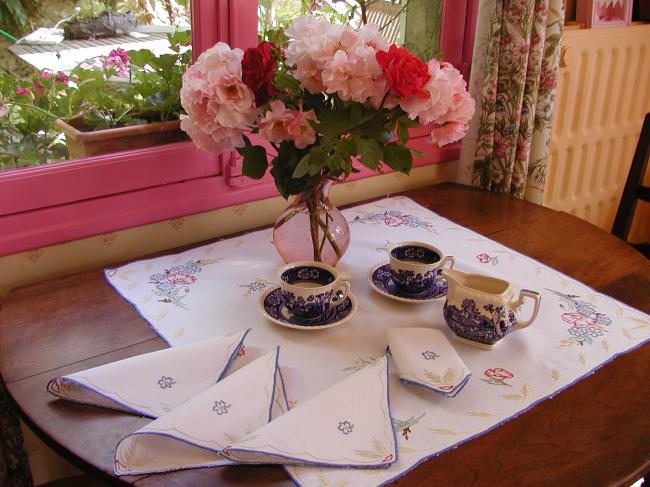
(85, 144)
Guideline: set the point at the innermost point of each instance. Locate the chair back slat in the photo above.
(634, 188)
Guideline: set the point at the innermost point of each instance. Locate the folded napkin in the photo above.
(154, 383)
(347, 425)
(193, 434)
(424, 357)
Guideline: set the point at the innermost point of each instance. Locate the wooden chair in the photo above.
(634, 189)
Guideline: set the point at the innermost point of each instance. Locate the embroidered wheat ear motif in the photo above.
(525, 389)
(436, 379)
(442, 431)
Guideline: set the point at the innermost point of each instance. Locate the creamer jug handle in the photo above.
(534, 295)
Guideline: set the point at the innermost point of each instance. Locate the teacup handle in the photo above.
(534, 295)
(445, 259)
(343, 289)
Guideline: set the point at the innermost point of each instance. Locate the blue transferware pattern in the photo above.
(313, 305)
(415, 253)
(307, 273)
(382, 278)
(486, 326)
(276, 309)
(311, 308)
(410, 281)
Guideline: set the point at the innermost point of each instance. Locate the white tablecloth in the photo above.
(214, 290)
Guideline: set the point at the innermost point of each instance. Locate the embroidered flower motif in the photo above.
(180, 278)
(405, 426)
(428, 355)
(345, 427)
(497, 376)
(170, 283)
(585, 320)
(166, 382)
(255, 286)
(242, 351)
(220, 407)
(483, 258)
(394, 219)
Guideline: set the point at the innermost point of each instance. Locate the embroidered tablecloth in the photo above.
(214, 289)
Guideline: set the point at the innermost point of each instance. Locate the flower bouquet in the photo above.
(331, 98)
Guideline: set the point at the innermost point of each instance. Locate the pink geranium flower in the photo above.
(117, 59)
(22, 91)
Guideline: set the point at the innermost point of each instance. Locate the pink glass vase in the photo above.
(312, 228)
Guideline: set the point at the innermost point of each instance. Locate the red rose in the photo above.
(405, 73)
(258, 68)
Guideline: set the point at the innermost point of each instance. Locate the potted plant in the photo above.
(331, 99)
(106, 116)
(94, 18)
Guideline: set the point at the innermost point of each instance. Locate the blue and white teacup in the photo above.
(415, 266)
(309, 289)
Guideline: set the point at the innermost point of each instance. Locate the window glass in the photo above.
(414, 24)
(94, 64)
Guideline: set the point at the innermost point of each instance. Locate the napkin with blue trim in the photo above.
(194, 434)
(154, 383)
(425, 357)
(346, 425)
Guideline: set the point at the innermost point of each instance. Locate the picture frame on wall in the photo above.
(604, 13)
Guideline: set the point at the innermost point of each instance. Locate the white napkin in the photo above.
(346, 425)
(424, 357)
(154, 383)
(193, 434)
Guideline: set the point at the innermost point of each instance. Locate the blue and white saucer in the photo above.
(273, 309)
(381, 281)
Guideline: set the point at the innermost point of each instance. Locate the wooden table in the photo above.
(596, 432)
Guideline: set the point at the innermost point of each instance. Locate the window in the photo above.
(51, 204)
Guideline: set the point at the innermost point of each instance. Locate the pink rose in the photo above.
(300, 130)
(578, 320)
(274, 125)
(218, 103)
(281, 123)
(447, 133)
(180, 279)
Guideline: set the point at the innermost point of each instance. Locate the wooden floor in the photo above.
(68, 54)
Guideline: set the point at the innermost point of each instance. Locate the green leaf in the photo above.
(255, 162)
(407, 122)
(398, 158)
(402, 134)
(141, 57)
(370, 151)
(333, 122)
(302, 169)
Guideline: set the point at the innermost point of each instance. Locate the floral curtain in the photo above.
(514, 71)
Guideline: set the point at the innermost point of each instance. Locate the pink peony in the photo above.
(218, 103)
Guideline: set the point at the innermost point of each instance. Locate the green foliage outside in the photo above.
(28, 108)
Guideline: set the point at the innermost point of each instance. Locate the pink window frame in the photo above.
(66, 201)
